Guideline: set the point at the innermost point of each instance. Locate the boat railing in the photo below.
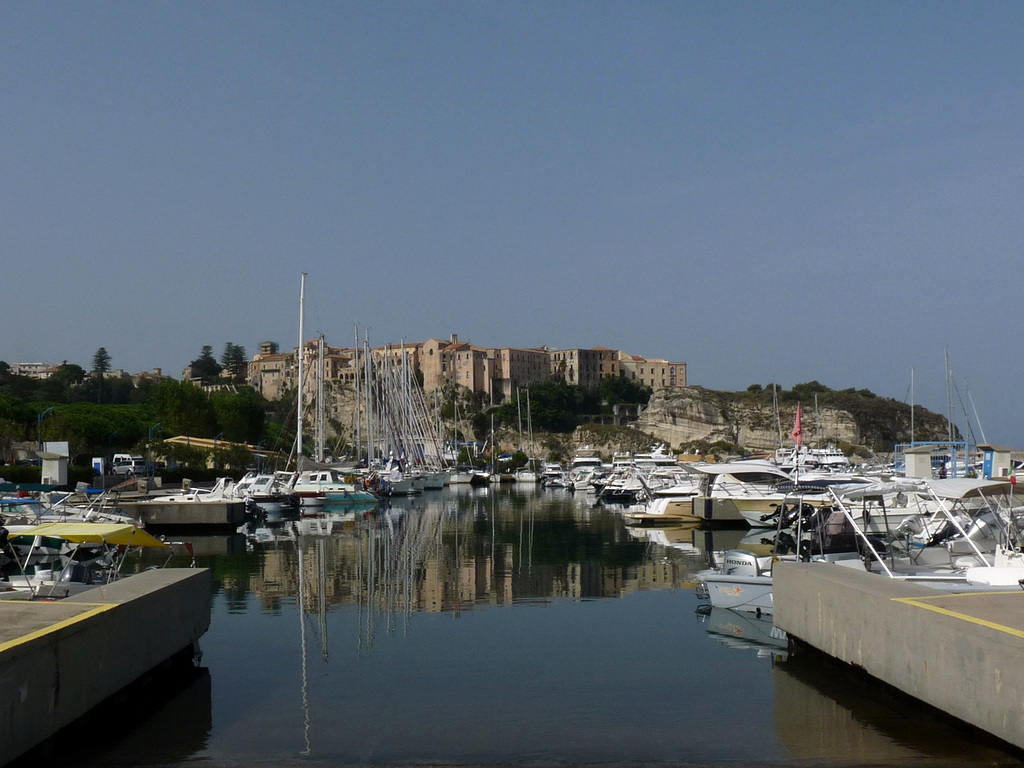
(859, 532)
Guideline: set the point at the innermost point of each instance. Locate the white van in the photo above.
(129, 465)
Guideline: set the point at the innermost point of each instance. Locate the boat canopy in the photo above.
(950, 488)
(732, 467)
(964, 487)
(120, 534)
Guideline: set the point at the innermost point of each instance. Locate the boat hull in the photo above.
(752, 594)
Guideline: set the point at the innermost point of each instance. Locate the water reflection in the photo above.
(745, 631)
(455, 551)
(508, 627)
(823, 712)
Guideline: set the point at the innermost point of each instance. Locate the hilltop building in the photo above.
(656, 374)
(33, 370)
(494, 371)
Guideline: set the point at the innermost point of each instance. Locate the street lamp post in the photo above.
(218, 437)
(259, 455)
(108, 457)
(149, 449)
(39, 428)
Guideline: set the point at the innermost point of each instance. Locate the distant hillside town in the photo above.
(43, 371)
(494, 371)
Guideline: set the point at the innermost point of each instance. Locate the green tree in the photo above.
(205, 367)
(555, 405)
(614, 390)
(183, 456)
(235, 457)
(100, 365)
(182, 408)
(234, 361)
(62, 382)
(101, 361)
(11, 432)
(16, 409)
(240, 415)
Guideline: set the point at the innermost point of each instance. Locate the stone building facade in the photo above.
(494, 371)
(656, 374)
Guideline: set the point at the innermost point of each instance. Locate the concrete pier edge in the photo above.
(958, 653)
(60, 659)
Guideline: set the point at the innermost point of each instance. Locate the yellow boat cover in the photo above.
(121, 534)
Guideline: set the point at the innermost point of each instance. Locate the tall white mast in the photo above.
(302, 355)
(911, 406)
(358, 420)
(321, 405)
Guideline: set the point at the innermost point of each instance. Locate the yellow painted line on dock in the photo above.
(95, 610)
(922, 602)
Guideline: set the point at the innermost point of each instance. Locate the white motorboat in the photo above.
(460, 475)
(742, 580)
(312, 486)
(54, 560)
(731, 491)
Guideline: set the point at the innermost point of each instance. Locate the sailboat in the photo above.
(528, 473)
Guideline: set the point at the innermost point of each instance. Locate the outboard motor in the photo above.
(77, 573)
(739, 562)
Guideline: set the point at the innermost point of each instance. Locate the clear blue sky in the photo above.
(766, 191)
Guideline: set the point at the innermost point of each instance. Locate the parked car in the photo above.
(129, 467)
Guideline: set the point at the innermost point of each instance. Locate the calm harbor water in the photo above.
(499, 626)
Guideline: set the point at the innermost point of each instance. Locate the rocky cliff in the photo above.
(694, 415)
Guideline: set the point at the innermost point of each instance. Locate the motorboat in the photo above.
(657, 458)
(741, 580)
(951, 548)
(806, 459)
(553, 476)
(623, 488)
(268, 494)
(734, 491)
(665, 510)
(54, 560)
(312, 486)
(460, 475)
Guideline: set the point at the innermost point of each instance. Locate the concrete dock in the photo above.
(59, 659)
(228, 514)
(958, 652)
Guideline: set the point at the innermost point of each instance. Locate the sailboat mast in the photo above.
(519, 411)
(320, 404)
(355, 412)
(302, 355)
(975, 410)
(817, 422)
(911, 406)
(949, 400)
(370, 435)
(529, 422)
(775, 411)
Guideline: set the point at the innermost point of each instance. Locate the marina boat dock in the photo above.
(154, 512)
(61, 658)
(959, 652)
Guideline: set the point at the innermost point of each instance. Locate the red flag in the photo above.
(798, 430)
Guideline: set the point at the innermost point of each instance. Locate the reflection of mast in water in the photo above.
(302, 638)
(529, 542)
(320, 550)
(396, 551)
